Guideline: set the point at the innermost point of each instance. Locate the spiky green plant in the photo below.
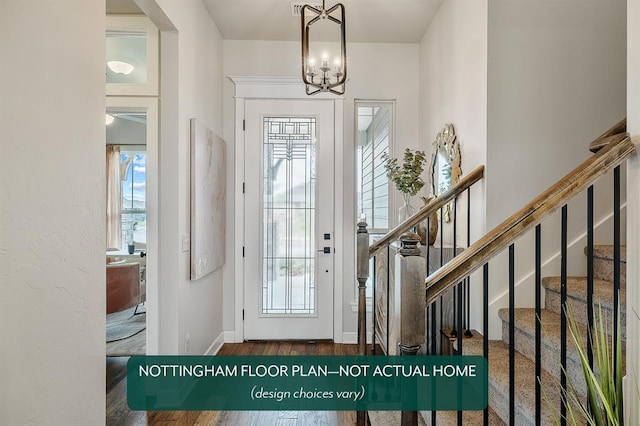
(406, 177)
(604, 389)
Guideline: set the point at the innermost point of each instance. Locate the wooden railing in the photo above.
(618, 150)
(366, 252)
(608, 136)
(614, 147)
(426, 211)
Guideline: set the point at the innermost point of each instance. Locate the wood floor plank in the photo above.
(284, 348)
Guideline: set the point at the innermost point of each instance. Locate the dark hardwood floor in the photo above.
(118, 413)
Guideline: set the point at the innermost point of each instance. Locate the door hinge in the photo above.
(242, 251)
(243, 188)
(243, 315)
(244, 124)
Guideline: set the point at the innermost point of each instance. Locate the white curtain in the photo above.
(114, 198)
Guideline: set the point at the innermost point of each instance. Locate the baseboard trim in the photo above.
(230, 336)
(216, 345)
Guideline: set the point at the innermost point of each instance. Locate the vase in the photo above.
(433, 225)
(407, 210)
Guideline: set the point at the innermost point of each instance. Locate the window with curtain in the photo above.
(134, 196)
(126, 196)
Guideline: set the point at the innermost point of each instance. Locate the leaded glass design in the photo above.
(288, 214)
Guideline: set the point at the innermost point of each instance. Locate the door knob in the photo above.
(325, 250)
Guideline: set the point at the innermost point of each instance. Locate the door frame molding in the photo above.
(150, 105)
(283, 88)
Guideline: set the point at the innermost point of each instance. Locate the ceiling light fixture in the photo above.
(120, 67)
(323, 77)
(109, 119)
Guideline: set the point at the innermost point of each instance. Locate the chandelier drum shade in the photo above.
(327, 74)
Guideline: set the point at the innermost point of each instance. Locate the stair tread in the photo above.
(525, 381)
(605, 251)
(577, 289)
(385, 418)
(446, 418)
(525, 321)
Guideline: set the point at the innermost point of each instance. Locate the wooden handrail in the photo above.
(605, 138)
(428, 209)
(528, 217)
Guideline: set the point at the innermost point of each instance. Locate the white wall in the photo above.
(376, 71)
(453, 89)
(453, 83)
(52, 204)
(632, 404)
(191, 88)
(556, 80)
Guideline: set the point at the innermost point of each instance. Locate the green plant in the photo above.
(406, 177)
(604, 388)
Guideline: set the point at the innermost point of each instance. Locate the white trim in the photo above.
(230, 337)
(216, 345)
(239, 222)
(274, 88)
(142, 24)
(338, 222)
(255, 87)
(351, 337)
(150, 106)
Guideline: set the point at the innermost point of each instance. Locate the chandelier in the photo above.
(329, 74)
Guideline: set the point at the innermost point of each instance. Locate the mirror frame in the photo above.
(446, 143)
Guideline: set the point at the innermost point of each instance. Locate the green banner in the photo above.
(307, 383)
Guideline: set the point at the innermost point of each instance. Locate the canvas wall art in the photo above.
(208, 200)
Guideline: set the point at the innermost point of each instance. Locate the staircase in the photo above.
(515, 394)
(525, 344)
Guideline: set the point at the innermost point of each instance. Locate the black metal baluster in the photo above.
(457, 325)
(440, 300)
(388, 295)
(434, 330)
(433, 345)
(468, 300)
(428, 316)
(428, 248)
(538, 296)
(512, 337)
(590, 274)
(460, 294)
(563, 318)
(616, 261)
(485, 326)
(373, 307)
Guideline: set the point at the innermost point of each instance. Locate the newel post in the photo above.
(362, 265)
(410, 306)
(362, 253)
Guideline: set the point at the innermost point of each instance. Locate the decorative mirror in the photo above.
(445, 164)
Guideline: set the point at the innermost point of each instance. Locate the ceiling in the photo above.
(372, 21)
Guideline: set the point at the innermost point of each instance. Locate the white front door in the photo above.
(289, 202)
